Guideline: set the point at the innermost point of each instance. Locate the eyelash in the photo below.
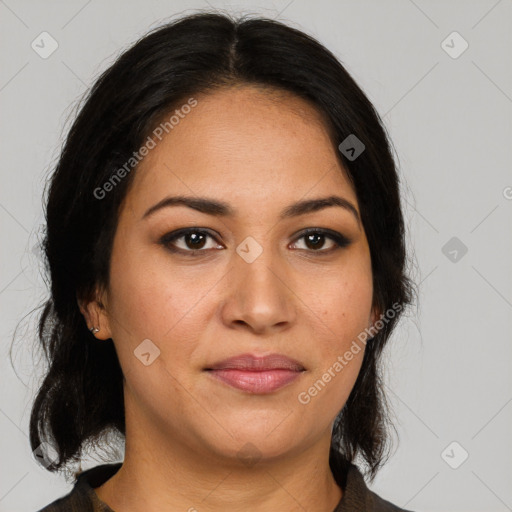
(340, 240)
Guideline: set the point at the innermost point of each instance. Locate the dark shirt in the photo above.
(82, 498)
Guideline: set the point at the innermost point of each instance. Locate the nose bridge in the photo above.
(259, 261)
(259, 294)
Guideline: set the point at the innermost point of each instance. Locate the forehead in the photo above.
(243, 143)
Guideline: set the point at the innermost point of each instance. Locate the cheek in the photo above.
(340, 314)
(142, 303)
(146, 299)
(147, 304)
(152, 300)
(343, 305)
(338, 353)
(351, 310)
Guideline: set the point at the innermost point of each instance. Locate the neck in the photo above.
(163, 473)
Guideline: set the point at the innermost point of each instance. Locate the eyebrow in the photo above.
(223, 209)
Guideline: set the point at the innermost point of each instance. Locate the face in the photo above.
(245, 281)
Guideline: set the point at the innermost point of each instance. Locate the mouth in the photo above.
(257, 375)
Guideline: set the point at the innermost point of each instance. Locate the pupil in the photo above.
(196, 239)
(316, 236)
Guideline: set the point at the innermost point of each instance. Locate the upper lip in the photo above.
(258, 363)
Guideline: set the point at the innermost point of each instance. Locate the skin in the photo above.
(260, 151)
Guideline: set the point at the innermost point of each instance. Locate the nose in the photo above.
(260, 296)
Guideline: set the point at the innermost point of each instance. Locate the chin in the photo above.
(253, 437)
(249, 450)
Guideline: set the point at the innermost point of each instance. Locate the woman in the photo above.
(225, 246)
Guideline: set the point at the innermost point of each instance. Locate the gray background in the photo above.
(449, 362)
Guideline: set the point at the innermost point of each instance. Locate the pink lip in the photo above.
(257, 374)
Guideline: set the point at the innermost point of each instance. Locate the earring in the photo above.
(94, 330)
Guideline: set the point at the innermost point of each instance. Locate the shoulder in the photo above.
(357, 497)
(82, 497)
(381, 505)
(74, 501)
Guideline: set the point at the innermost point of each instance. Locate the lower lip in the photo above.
(256, 381)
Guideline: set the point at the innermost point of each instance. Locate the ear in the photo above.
(96, 315)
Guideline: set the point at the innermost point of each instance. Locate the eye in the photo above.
(194, 240)
(314, 239)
